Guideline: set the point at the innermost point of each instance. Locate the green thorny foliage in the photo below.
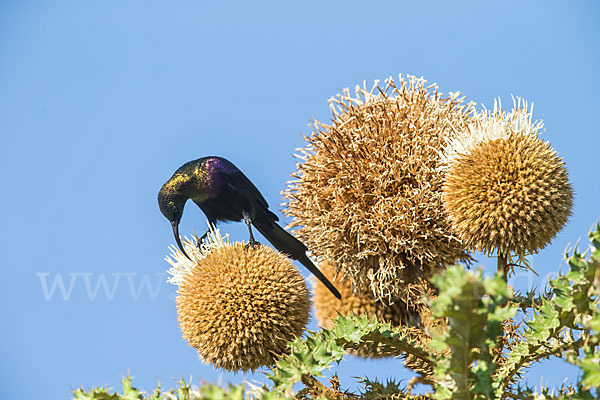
(480, 353)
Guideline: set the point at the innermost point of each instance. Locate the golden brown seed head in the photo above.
(367, 194)
(241, 307)
(506, 190)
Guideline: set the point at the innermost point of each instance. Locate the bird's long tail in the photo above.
(283, 241)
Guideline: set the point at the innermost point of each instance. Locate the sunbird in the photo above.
(224, 193)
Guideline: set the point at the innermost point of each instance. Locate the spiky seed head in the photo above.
(399, 314)
(506, 189)
(367, 193)
(239, 307)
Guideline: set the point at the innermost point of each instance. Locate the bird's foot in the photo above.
(200, 240)
(252, 244)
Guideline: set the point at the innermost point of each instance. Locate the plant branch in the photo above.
(536, 354)
(503, 265)
(316, 388)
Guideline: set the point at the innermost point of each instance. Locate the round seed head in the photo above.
(506, 189)
(239, 307)
(367, 193)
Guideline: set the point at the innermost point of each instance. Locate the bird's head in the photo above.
(171, 204)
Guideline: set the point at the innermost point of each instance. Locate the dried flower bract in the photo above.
(181, 265)
(239, 307)
(367, 193)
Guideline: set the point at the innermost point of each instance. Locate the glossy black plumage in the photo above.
(224, 193)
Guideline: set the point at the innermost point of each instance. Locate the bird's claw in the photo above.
(200, 240)
(252, 244)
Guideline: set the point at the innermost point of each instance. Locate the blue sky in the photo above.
(101, 101)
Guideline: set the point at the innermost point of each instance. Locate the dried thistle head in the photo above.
(239, 307)
(367, 193)
(506, 189)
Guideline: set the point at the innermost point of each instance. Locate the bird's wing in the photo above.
(241, 182)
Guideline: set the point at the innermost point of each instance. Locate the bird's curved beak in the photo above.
(175, 225)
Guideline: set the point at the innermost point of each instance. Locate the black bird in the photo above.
(224, 193)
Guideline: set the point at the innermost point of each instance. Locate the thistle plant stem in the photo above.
(316, 387)
(503, 265)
